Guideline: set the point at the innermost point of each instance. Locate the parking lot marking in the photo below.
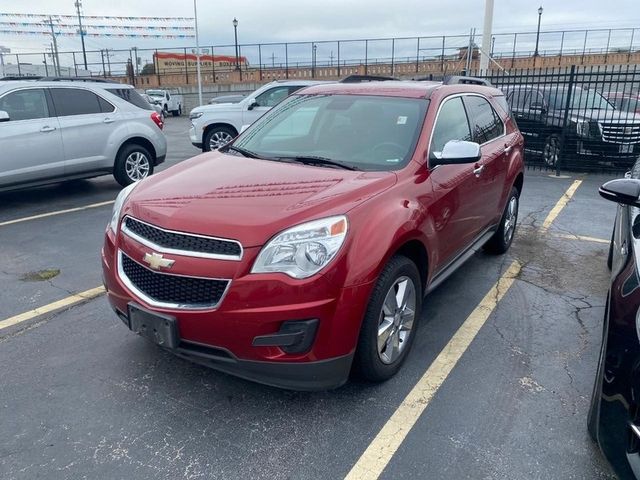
(584, 238)
(380, 451)
(52, 307)
(555, 211)
(59, 212)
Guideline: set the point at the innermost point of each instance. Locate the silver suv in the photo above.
(54, 130)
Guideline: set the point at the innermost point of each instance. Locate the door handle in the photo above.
(478, 170)
(507, 149)
(108, 120)
(47, 129)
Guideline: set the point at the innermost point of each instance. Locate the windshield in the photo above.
(580, 100)
(155, 93)
(361, 132)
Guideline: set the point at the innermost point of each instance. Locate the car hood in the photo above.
(246, 199)
(613, 116)
(217, 107)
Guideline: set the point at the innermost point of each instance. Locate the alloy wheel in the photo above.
(396, 320)
(137, 166)
(219, 139)
(510, 219)
(551, 151)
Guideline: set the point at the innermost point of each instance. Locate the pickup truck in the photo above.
(169, 100)
(213, 126)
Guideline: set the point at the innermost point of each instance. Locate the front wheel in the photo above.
(390, 321)
(501, 240)
(134, 163)
(217, 137)
(551, 150)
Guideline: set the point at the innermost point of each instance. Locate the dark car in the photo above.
(594, 130)
(614, 415)
(627, 102)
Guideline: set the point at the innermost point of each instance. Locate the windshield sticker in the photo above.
(392, 160)
(402, 120)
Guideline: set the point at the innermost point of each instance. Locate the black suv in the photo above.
(595, 131)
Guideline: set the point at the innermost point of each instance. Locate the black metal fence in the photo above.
(576, 118)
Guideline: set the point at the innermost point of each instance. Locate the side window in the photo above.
(485, 124)
(451, 124)
(534, 98)
(272, 97)
(74, 101)
(25, 104)
(517, 98)
(105, 107)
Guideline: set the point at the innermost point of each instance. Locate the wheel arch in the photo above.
(211, 126)
(141, 141)
(415, 251)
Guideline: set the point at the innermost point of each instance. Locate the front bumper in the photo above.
(196, 141)
(231, 337)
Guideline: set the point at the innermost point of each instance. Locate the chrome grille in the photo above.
(621, 132)
(181, 243)
(170, 291)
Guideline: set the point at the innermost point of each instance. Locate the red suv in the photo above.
(303, 249)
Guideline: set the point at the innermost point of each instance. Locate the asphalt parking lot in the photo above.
(82, 397)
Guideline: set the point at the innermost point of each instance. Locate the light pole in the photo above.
(313, 61)
(535, 54)
(195, 19)
(235, 34)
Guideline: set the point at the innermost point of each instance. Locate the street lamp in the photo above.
(235, 33)
(535, 54)
(313, 61)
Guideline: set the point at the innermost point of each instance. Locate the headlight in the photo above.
(587, 128)
(117, 206)
(194, 115)
(304, 250)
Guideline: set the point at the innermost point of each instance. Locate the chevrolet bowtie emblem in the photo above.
(157, 261)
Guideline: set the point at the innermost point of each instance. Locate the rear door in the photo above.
(86, 122)
(488, 130)
(453, 185)
(30, 142)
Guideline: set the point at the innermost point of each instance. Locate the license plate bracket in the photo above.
(160, 329)
(626, 148)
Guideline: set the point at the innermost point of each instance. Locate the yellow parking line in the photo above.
(59, 212)
(555, 211)
(377, 455)
(52, 307)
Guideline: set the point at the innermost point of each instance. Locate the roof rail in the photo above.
(73, 79)
(365, 78)
(15, 77)
(460, 80)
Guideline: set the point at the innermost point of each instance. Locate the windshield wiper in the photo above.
(315, 160)
(246, 153)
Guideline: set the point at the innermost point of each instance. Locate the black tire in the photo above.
(610, 256)
(368, 361)
(594, 407)
(177, 113)
(218, 135)
(166, 110)
(501, 240)
(124, 169)
(551, 150)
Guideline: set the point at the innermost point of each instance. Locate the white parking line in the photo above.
(58, 212)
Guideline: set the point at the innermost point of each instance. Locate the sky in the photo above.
(300, 20)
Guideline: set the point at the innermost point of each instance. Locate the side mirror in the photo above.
(4, 116)
(537, 108)
(622, 190)
(457, 152)
(243, 128)
(252, 104)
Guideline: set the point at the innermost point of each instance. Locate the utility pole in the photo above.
(55, 46)
(3, 50)
(78, 5)
(486, 36)
(273, 59)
